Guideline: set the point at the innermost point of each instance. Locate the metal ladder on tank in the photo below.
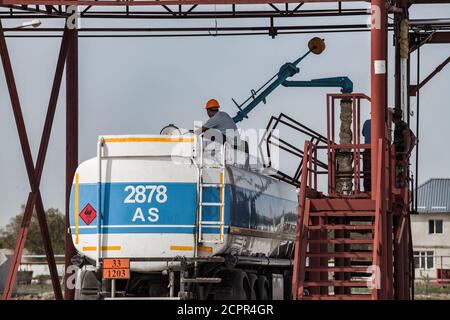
(205, 185)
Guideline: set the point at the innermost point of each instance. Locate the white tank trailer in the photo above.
(194, 222)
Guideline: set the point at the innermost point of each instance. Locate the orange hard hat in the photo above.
(212, 103)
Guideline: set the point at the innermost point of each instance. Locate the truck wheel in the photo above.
(262, 288)
(252, 279)
(288, 285)
(234, 286)
(87, 286)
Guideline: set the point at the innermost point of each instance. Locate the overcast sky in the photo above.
(138, 85)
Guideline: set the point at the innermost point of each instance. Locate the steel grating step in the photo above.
(342, 205)
(342, 214)
(341, 241)
(339, 254)
(359, 250)
(342, 227)
(360, 263)
(337, 269)
(335, 283)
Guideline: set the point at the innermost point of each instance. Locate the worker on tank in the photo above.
(218, 120)
(404, 142)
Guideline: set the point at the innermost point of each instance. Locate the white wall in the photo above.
(438, 243)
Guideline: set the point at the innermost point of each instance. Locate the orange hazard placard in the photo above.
(116, 268)
(116, 263)
(116, 274)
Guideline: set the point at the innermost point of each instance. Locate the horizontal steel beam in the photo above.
(440, 37)
(419, 39)
(6, 14)
(224, 14)
(429, 22)
(185, 35)
(120, 3)
(195, 29)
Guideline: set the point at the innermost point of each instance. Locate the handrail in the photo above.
(305, 175)
(300, 225)
(99, 199)
(378, 220)
(316, 139)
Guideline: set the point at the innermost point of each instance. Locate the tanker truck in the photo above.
(184, 218)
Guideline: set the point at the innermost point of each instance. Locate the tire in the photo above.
(262, 288)
(234, 286)
(87, 286)
(287, 285)
(252, 279)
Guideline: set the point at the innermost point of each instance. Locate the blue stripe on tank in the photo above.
(175, 212)
(128, 204)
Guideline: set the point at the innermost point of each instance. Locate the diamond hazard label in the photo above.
(88, 214)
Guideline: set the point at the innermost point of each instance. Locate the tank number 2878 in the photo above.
(145, 194)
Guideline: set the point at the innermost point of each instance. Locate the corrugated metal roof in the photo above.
(434, 196)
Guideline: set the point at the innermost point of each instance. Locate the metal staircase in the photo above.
(342, 241)
(338, 242)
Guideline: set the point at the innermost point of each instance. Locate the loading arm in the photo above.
(344, 83)
(286, 71)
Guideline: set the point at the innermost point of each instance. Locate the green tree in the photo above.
(56, 226)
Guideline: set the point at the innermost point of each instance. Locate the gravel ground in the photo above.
(433, 296)
(45, 292)
(34, 296)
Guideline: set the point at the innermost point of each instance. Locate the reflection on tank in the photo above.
(258, 210)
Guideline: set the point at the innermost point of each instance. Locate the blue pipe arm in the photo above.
(344, 83)
(287, 70)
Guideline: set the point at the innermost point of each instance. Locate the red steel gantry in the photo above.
(388, 205)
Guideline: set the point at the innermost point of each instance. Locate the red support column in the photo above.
(378, 83)
(378, 125)
(406, 275)
(71, 145)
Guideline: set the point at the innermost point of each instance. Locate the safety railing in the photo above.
(100, 145)
(300, 247)
(270, 139)
(349, 146)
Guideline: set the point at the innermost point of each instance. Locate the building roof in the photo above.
(434, 196)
